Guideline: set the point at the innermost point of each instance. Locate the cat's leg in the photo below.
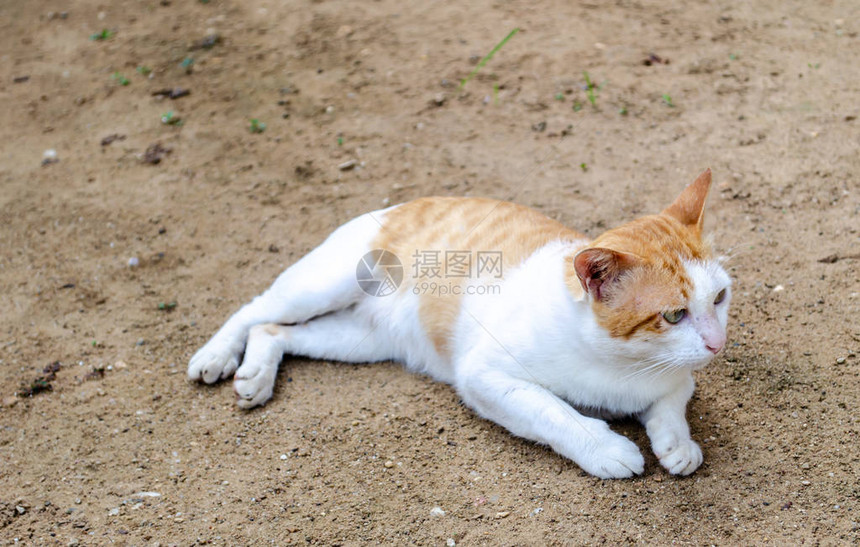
(339, 336)
(324, 280)
(666, 424)
(533, 412)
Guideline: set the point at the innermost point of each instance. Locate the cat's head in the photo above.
(655, 287)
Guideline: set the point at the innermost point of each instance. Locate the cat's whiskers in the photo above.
(654, 367)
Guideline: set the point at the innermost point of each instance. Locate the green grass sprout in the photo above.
(668, 100)
(122, 80)
(488, 57)
(144, 70)
(257, 126)
(170, 118)
(103, 35)
(584, 167)
(591, 89)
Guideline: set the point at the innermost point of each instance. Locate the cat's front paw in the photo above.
(683, 458)
(614, 457)
(213, 362)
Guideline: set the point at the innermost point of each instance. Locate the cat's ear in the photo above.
(689, 207)
(597, 267)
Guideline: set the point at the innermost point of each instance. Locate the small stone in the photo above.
(840, 361)
(389, 464)
(450, 542)
(113, 512)
(283, 456)
(502, 514)
(439, 99)
(133, 262)
(437, 512)
(778, 288)
(805, 483)
(21, 510)
(49, 154)
(347, 165)
(120, 365)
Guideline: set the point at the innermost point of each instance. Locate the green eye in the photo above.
(674, 316)
(720, 296)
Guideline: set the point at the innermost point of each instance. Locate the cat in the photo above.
(538, 329)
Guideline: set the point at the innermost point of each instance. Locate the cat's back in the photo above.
(446, 244)
(469, 224)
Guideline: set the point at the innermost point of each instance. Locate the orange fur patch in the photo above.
(659, 283)
(462, 224)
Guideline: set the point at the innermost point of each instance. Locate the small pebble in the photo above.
(49, 154)
(502, 514)
(778, 288)
(450, 542)
(283, 456)
(114, 511)
(347, 165)
(437, 512)
(133, 262)
(840, 361)
(389, 464)
(439, 99)
(20, 509)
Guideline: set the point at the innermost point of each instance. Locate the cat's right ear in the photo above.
(598, 267)
(689, 207)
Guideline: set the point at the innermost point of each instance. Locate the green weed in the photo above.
(105, 34)
(489, 56)
(258, 127)
(122, 80)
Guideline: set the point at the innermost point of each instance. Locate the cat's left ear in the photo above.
(689, 207)
(597, 268)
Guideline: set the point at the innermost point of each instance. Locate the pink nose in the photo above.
(714, 349)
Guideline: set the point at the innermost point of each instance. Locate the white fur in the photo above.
(529, 357)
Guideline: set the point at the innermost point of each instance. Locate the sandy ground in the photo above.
(123, 449)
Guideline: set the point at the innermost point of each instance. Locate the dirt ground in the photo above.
(119, 268)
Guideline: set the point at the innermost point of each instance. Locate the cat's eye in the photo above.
(720, 296)
(674, 316)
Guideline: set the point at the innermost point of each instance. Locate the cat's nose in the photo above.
(715, 349)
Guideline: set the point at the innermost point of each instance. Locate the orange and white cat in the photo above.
(555, 334)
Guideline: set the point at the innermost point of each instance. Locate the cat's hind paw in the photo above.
(615, 458)
(254, 389)
(255, 379)
(683, 459)
(212, 363)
